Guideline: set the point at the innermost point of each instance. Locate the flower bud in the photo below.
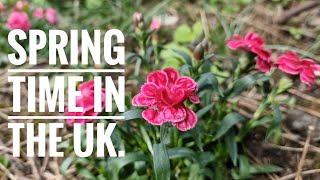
(204, 44)
(1, 7)
(198, 52)
(155, 25)
(20, 5)
(137, 19)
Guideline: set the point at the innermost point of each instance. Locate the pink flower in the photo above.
(155, 25)
(20, 4)
(164, 94)
(137, 19)
(255, 44)
(86, 100)
(38, 13)
(51, 16)
(305, 68)
(19, 20)
(1, 7)
(137, 16)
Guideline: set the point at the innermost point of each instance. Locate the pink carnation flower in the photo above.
(20, 5)
(155, 25)
(38, 13)
(51, 16)
(19, 20)
(255, 44)
(305, 68)
(164, 94)
(86, 100)
(137, 16)
(1, 7)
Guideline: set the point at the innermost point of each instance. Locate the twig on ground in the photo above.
(293, 149)
(304, 96)
(295, 139)
(270, 175)
(8, 173)
(309, 111)
(291, 176)
(35, 169)
(296, 11)
(304, 153)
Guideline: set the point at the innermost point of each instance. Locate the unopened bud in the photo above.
(155, 38)
(198, 52)
(137, 19)
(204, 44)
(20, 5)
(1, 7)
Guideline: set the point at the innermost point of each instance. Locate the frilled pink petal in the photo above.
(174, 114)
(172, 75)
(290, 59)
(19, 20)
(261, 53)
(287, 69)
(153, 116)
(253, 39)
(91, 113)
(173, 97)
(149, 90)
(186, 84)
(289, 63)
(88, 85)
(38, 13)
(71, 121)
(190, 121)
(51, 16)
(155, 24)
(309, 64)
(142, 100)
(307, 76)
(236, 42)
(262, 65)
(87, 100)
(159, 78)
(194, 99)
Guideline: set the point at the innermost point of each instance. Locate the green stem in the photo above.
(163, 132)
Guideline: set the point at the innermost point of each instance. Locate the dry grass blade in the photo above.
(291, 176)
(7, 172)
(304, 153)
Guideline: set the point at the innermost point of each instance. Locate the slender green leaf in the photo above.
(205, 158)
(243, 84)
(146, 138)
(66, 164)
(86, 173)
(274, 129)
(195, 172)
(133, 114)
(184, 55)
(115, 164)
(180, 152)
(266, 168)
(161, 162)
(204, 110)
(244, 167)
(231, 143)
(227, 122)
